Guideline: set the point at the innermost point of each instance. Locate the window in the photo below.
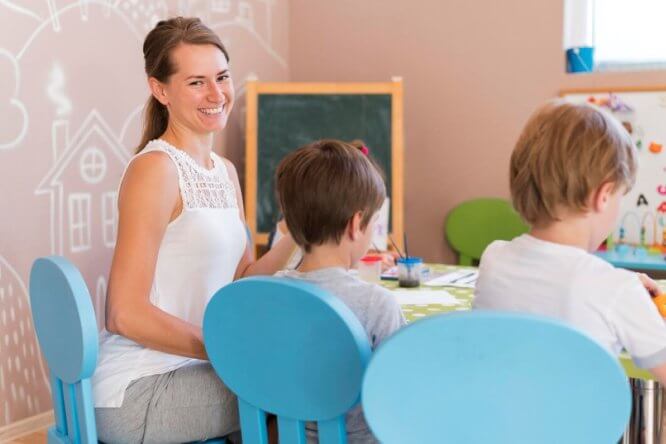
(79, 222)
(93, 165)
(626, 35)
(630, 34)
(109, 218)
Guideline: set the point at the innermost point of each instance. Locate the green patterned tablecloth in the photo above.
(465, 296)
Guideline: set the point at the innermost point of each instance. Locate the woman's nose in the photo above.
(215, 94)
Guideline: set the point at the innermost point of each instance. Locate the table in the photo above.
(633, 258)
(645, 390)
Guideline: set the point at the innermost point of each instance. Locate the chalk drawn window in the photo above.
(79, 222)
(93, 165)
(109, 218)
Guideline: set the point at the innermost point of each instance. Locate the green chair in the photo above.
(474, 224)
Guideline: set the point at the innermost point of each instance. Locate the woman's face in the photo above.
(200, 94)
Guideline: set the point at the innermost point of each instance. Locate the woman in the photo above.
(181, 236)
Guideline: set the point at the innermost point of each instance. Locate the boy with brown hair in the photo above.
(330, 194)
(569, 169)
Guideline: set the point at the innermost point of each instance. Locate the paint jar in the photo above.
(370, 268)
(409, 271)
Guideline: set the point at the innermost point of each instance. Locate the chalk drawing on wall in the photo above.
(53, 15)
(220, 6)
(54, 20)
(255, 17)
(22, 375)
(245, 15)
(55, 91)
(143, 14)
(11, 108)
(93, 152)
(20, 9)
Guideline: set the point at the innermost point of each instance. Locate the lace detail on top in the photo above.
(199, 187)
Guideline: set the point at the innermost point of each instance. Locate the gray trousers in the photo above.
(187, 404)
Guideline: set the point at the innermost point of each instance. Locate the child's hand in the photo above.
(651, 286)
(388, 258)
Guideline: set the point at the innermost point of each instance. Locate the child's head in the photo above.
(566, 155)
(328, 190)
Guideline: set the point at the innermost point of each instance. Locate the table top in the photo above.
(633, 258)
(464, 297)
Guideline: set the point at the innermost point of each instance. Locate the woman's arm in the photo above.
(149, 198)
(275, 259)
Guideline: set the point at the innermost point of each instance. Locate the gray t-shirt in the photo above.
(377, 310)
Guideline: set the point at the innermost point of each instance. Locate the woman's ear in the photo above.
(158, 91)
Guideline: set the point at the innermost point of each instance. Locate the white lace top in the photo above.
(199, 254)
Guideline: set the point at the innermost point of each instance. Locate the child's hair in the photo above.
(321, 186)
(565, 152)
(362, 147)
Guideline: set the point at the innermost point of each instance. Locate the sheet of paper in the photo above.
(412, 297)
(459, 278)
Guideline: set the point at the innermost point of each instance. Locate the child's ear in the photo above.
(602, 195)
(354, 226)
(157, 90)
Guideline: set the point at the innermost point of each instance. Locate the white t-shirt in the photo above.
(611, 305)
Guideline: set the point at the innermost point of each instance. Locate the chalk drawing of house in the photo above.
(82, 185)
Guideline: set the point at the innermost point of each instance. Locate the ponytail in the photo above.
(155, 121)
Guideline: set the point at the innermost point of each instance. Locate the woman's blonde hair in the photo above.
(565, 152)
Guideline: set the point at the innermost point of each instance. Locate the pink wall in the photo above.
(71, 92)
(473, 71)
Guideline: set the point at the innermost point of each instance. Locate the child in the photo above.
(569, 169)
(378, 241)
(330, 194)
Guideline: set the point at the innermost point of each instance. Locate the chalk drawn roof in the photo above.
(93, 123)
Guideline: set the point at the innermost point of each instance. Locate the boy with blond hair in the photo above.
(330, 195)
(569, 170)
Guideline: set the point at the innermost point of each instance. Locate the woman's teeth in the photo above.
(209, 111)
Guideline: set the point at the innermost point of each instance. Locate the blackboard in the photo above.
(283, 117)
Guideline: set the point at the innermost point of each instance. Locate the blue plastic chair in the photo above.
(66, 329)
(288, 348)
(491, 377)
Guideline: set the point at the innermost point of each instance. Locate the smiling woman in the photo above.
(181, 236)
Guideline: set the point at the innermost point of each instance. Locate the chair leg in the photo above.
(253, 423)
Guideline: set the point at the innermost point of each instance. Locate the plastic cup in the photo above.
(370, 268)
(409, 271)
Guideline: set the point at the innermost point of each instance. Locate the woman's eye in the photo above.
(222, 78)
(197, 83)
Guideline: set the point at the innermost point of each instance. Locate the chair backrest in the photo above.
(474, 224)
(491, 377)
(66, 328)
(288, 348)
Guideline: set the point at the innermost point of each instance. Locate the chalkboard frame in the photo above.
(254, 88)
